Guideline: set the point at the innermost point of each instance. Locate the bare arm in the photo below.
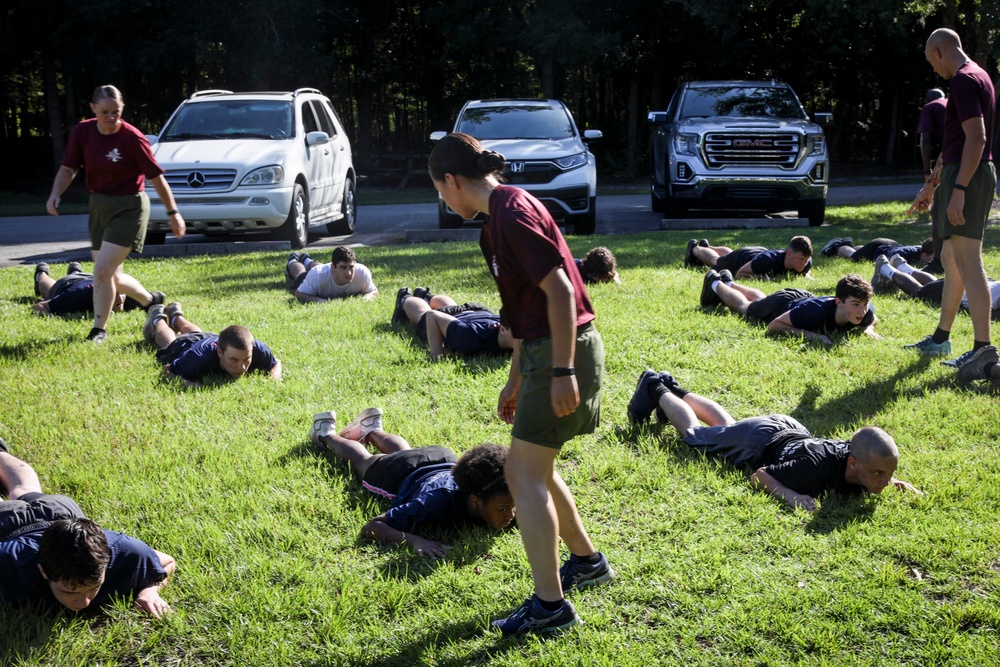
(972, 153)
(783, 324)
(437, 327)
(176, 220)
(370, 296)
(171, 376)
(63, 178)
(148, 599)
(275, 371)
(745, 271)
(763, 480)
(926, 146)
(507, 404)
(42, 308)
(561, 308)
(900, 484)
(377, 529)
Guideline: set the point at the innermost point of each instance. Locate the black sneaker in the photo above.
(97, 335)
(578, 574)
(157, 299)
(670, 382)
(725, 276)
(74, 267)
(399, 314)
(704, 243)
(423, 293)
(689, 258)
(831, 247)
(708, 296)
(533, 617)
(642, 403)
(40, 269)
(3, 446)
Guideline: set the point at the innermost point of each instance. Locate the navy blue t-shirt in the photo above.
(75, 294)
(818, 314)
(763, 262)
(202, 358)
(474, 332)
(428, 495)
(133, 567)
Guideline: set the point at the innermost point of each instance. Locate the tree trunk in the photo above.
(52, 109)
(365, 87)
(890, 148)
(632, 167)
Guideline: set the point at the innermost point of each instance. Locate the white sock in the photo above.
(905, 268)
(887, 271)
(715, 285)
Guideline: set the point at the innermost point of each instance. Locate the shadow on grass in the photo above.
(32, 349)
(837, 511)
(26, 631)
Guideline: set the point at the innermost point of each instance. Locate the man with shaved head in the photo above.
(783, 456)
(965, 180)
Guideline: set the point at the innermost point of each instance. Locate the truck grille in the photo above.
(724, 149)
(200, 180)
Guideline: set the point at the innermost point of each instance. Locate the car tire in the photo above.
(814, 212)
(655, 201)
(296, 226)
(349, 208)
(448, 220)
(673, 208)
(155, 238)
(584, 225)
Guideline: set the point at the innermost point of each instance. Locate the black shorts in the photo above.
(931, 292)
(448, 310)
(870, 251)
(35, 509)
(744, 443)
(180, 345)
(386, 473)
(773, 305)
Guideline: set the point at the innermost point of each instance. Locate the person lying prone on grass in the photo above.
(189, 353)
(426, 485)
(49, 551)
(786, 460)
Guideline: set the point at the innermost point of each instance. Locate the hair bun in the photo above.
(490, 162)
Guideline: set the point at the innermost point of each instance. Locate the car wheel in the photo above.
(296, 226)
(349, 207)
(655, 201)
(672, 208)
(586, 223)
(447, 220)
(815, 212)
(155, 238)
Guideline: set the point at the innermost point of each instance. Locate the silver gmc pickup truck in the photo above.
(744, 146)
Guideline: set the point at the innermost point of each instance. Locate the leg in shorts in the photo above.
(386, 472)
(743, 443)
(771, 306)
(978, 200)
(931, 292)
(119, 219)
(32, 508)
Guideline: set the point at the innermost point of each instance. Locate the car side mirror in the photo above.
(823, 118)
(151, 138)
(317, 138)
(592, 135)
(438, 136)
(656, 117)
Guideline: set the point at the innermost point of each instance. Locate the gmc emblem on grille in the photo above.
(516, 167)
(752, 143)
(196, 179)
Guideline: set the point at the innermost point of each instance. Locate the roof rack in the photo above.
(299, 91)
(204, 93)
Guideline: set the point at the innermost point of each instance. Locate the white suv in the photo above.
(545, 155)
(245, 162)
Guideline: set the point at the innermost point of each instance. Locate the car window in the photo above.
(517, 122)
(231, 119)
(325, 123)
(333, 113)
(309, 122)
(741, 102)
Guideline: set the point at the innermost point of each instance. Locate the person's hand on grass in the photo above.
(425, 547)
(801, 500)
(149, 601)
(900, 484)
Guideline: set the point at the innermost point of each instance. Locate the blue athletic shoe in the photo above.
(578, 574)
(533, 617)
(974, 367)
(960, 360)
(642, 403)
(926, 345)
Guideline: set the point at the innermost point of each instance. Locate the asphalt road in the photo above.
(28, 240)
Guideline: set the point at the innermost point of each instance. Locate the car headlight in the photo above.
(571, 161)
(686, 144)
(264, 176)
(817, 144)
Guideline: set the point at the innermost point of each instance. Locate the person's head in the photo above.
(800, 250)
(852, 295)
(479, 473)
(933, 94)
(599, 266)
(927, 251)
(505, 339)
(73, 555)
(235, 350)
(944, 52)
(873, 459)
(107, 105)
(342, 263)
(458, 165)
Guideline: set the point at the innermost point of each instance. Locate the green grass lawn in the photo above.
(264, 527)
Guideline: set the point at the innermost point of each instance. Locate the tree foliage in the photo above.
(398, 69)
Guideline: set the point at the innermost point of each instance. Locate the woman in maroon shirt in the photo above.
(118, 162)
(553, 389)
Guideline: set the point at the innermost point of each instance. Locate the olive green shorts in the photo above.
(978, 199)
(119, 219)
(534, 420)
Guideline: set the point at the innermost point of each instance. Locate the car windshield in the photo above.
(231, 119)
(517, 122)
(741, 102)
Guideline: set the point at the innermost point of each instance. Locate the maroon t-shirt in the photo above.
(971, 96)
(522, 244)
(932, 120)
(116, 164)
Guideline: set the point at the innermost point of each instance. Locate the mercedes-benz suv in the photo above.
(545, 155)
(247, 162)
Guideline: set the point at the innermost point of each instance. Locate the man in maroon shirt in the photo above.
(967, 185)
(930, 129)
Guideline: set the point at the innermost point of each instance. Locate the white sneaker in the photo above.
(896, 261)
(369, 420)
(324, 423)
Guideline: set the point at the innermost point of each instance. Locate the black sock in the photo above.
(976, 344)
(592, 559)
(550, 606)
(940, 335)
(657, 390)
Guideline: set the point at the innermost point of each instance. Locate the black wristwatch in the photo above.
(561, 372)
(172, 211)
